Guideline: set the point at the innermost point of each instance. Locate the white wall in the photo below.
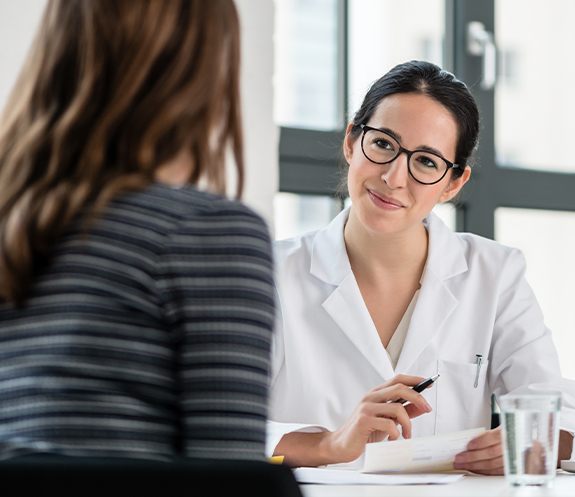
(18, 21)
(260, 131)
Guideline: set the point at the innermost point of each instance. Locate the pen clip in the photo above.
(479, 362)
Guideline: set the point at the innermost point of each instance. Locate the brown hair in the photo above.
(110, 91)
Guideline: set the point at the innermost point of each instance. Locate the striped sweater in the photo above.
(146, 337)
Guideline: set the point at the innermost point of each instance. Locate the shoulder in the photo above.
(469, 254)
(490, 251)
(492, 262)
(482, 244)
(293, 262)
(473, 247)
(187, 226)
(188, 202)
(324, 243)
(294, 250)
(213, 245)
(188, 210)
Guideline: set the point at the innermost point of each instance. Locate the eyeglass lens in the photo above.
(382, 148)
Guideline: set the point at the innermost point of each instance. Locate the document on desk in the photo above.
(354, 477)
(415, 461)
(417, 455)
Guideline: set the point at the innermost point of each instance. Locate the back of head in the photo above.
(110, 91)
(429, 79)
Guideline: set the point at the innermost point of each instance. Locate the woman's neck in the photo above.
(374, 255)
(177, 171)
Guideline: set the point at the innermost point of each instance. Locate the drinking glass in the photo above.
(530, 430)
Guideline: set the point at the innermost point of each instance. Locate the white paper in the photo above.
(417, 454)
(350, 477)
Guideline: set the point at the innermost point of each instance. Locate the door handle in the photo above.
(480, 43)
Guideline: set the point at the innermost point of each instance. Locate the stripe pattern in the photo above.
(147, 336)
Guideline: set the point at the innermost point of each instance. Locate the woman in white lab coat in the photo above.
(386, 294)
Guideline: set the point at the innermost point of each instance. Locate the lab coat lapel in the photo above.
(344, 304)
(445, 259)
(348, 310)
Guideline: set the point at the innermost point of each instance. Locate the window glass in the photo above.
(383, 33)
(306, 64)
(547, 239)
(296, 214)
(534, 103)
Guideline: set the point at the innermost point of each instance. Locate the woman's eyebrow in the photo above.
(390, 132)
(397, 136)
(426, 148)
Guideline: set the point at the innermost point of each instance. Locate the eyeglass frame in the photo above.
(451, 165)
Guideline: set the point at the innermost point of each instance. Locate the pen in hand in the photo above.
(420, 387)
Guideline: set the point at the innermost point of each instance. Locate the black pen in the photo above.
(420, 387)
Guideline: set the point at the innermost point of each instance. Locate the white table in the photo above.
(468, 486)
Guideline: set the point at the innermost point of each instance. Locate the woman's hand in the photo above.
(484, 454)
(378, 417)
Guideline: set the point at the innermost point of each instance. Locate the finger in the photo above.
(395, 393)
(397, 413)
(485, 454)
(405, 379)
(400, 378)
(490, 466)
(384, 426)
(404, 394)
(413, 411)
(487, 439)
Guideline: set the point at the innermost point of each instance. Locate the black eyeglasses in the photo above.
(424, 167)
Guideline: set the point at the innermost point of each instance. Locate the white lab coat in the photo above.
(474, 299)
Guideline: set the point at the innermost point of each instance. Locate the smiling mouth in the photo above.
(385, 200)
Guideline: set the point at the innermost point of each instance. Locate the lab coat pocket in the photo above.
(460, 404)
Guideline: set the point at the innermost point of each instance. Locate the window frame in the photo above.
(311, 161)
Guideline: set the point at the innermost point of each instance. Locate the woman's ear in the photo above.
(455, 185)
(348, 142)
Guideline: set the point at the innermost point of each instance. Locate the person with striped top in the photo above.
(136, 299)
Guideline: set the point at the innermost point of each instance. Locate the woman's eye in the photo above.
(427, 162)
(383, 144)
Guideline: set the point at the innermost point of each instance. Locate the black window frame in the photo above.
(311, 160)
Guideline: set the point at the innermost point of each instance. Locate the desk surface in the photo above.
(468, 486)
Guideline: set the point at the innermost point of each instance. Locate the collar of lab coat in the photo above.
(330, 263)
(445, 259)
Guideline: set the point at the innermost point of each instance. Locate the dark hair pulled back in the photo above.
(428, 79)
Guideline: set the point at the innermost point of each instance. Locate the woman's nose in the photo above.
(396, 172)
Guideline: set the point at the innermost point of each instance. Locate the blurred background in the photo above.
(308, 63)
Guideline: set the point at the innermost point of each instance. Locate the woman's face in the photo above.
(385, 198)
